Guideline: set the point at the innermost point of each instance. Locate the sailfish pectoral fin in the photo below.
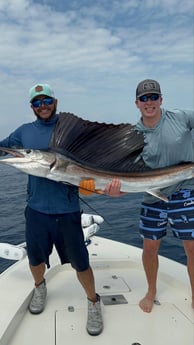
(87, 187)
(158, 194)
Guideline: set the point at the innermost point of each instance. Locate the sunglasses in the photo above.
(46, 101)
(152, 97)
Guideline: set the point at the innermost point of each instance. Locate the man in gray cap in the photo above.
(168, 138)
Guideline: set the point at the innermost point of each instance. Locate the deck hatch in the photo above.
(113, 299)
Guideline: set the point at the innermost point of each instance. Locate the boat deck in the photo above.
(120, 281)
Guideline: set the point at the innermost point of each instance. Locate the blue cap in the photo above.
(41, 89)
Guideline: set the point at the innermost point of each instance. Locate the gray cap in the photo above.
(148, 86)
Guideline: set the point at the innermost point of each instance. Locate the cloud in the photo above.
(94, 54)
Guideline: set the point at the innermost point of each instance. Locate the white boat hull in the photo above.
(120, 280)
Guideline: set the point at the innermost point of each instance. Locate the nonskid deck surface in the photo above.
(121, 283)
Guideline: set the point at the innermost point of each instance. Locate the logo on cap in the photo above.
(38, 88)
(149, 86)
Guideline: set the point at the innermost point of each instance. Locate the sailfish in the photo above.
(82, 150)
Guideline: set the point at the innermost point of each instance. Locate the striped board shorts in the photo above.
(178, 212)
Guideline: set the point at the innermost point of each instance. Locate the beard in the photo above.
(48, 118)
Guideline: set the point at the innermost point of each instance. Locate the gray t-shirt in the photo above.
(169, 143)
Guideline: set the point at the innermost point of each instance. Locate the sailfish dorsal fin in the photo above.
(109, 147)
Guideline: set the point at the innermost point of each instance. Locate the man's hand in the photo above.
(87, 187)
(113, 188)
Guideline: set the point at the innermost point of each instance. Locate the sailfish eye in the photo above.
(28, 151)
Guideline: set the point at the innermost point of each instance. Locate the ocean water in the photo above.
(121, 216)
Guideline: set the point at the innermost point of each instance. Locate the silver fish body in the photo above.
(58, 167)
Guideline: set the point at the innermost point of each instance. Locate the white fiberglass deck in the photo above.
(120, 281)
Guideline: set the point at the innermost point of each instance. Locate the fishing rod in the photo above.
(87, 191)
(94, 210)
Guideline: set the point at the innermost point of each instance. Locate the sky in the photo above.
(93, 54)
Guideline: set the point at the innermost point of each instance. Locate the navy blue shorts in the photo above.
(43, 231)
(178, 212)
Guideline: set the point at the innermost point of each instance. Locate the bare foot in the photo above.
(146, 304)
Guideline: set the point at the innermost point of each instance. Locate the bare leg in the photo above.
(189, 250)
(150, 263)
(38, 273)
(86, 279)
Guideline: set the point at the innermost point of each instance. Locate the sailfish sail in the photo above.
(108, 147)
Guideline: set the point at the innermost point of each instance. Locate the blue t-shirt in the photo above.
(169, 143)
(43, 195)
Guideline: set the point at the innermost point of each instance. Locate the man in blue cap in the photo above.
(53, 214)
